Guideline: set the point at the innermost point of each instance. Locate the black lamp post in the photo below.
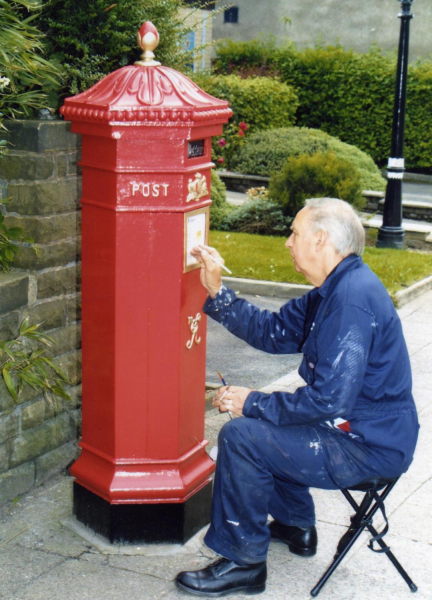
(391, 234)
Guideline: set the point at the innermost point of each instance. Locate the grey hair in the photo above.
(340, 221)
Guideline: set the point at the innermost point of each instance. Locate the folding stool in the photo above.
(364, 512)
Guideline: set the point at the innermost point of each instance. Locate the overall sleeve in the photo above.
(333, 366)
(276, 333)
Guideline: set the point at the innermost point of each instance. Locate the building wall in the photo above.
(202, 36)
(355, 24)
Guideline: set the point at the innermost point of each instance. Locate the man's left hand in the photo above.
(231, 398)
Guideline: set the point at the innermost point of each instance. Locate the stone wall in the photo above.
(41, 177)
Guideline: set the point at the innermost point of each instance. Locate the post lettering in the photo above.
(149, 189)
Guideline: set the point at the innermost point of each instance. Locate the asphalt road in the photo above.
(421, 192)
(241, 364)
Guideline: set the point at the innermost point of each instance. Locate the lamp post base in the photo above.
(391, 237)
(143, 523)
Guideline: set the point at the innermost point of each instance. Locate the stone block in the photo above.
(41, 135)
(6, 400)
(13, 291)
(55, 461)
(33, 414)
(16, 482)
(15, 166)
(44, 229)
(74, 308)
(76, 421)
(9, 425)
(48, 255)
(34, 442)
(67, 164)
(75, 393)
(71, 365)
(9, 326)
(45, 198)
(58, 281)
(67, 339)
(50, 314)
(4, 457)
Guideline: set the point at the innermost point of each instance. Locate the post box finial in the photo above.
(148, 40)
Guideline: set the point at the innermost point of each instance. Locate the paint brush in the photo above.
(215, 260)
(223, 395)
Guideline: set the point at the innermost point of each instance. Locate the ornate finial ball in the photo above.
(148, 36)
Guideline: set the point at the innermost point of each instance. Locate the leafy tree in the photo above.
(23, 69)
(91, 38)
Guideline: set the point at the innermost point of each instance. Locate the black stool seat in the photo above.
(362, 519)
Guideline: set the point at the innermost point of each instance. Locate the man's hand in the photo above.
(231, 398)
(211, 273)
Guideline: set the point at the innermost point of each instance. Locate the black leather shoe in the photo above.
(224, 577)
(301, 541)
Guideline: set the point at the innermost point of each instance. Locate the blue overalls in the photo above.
(357, 371)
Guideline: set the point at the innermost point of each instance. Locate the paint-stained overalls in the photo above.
(357, 373)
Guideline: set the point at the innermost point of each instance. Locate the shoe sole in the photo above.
(250, 590)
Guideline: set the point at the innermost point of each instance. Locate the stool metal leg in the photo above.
(359, 522)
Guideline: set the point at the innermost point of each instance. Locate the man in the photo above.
(353, 420)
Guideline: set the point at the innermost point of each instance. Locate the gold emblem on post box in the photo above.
(197, 188)
(193, 324)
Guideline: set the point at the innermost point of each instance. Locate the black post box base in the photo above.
(143, 523)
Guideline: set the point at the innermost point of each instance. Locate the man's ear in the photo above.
(321, 239)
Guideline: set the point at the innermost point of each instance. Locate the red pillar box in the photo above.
(143, 474)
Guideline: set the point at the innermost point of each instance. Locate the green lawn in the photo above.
(265, 257)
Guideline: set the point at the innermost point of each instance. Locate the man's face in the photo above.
(302, 244)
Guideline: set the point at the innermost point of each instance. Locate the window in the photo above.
(231, 15)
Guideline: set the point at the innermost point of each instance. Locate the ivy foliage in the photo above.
(348, 94)
(91, 38)
(267, 151)
(320, 175)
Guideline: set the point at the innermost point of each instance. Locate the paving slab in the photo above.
(41, 559)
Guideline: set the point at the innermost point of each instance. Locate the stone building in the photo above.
(355, 24)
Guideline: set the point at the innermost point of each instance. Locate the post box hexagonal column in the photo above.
(143, 473)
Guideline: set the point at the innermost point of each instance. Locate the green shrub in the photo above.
(261, 216)
(219, 208)
(267, 151)
(24, 71)
(320, 175)
(347, 94)
(258, 103)
(92, 39)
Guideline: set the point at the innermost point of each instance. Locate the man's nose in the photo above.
(288, 242)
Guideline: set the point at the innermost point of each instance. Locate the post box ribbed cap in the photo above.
(146, 93)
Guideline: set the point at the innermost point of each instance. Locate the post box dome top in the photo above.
(146, 93)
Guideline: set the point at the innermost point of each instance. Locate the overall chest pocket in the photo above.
(310, 357)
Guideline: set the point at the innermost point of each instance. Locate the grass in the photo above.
(265, 257)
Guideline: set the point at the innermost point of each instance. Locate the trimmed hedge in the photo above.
(258, 103)
(260, 216)
(219, 208)
(267, 151)
(317, 176)
(345, 93)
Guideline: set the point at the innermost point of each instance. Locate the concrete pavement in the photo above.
(42, 559)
